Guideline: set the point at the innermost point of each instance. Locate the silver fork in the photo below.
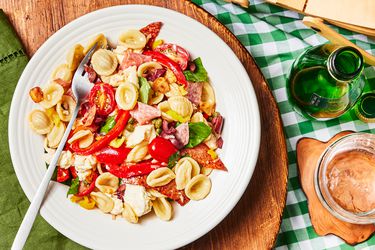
(81, 87)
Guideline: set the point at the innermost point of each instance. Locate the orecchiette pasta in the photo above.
(185, 169)
(206, 171)
(107, 183)
(85, 138)
(211, 141)
(129, 214)
(52, 95)
(162, 208)
(157, 98)
(171, 78)
(160, 177)
(198, 187)
(155, 194)
(133, 39)
(104, 62)
(147, 66)
(62, 72)
(55, 135)
(198, 117)
(126, 96)
(65, 108)
(40, 122)
(74, 56)
(181, 105)
(175, 90)
(208, 99)
(164, 108)
(103, 202)
(138, 153)
(100, 40)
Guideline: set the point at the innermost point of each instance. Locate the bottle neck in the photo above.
(345, 64)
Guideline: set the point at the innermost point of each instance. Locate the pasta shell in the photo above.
(198, 117)
(156, 99)
(163, 209)
(129, 214)
(208, 99)
(175, 90)
(52, 95)
(99, 39)
(107, 183)
(183, 175)
(126, 96)
(211, 141)
(133, 39)
(206, 171)
(55, 135)
(160, 177)
(104, 62)
(40, 122)
(198, 187)
(74, 56)
(164, 107)
(103, 202)
(147, 66)
(85, 138)
(155, 194)
(171, 78)
(65, 108)
(62, 72)
(181, 105)
(138, 153)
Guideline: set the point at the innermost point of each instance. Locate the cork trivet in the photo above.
(308, 154)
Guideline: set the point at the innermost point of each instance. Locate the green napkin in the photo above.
(13, 202)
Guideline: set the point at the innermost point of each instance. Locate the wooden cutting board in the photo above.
(254, 223)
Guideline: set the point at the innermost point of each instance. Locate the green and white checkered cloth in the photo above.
(275, 37)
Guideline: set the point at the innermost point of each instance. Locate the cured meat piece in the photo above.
(182, 133)
(91, 74)
(195, 92)
(133, 59)
(63, 83)
(144, 113)
(200, 154)
(217, 124)
(89, 116)
(168, 190)
(151, 31)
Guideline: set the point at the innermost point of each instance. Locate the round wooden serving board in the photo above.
(254, 223)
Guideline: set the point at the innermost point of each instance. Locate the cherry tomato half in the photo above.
(161, 149)
(176, 53)
(62, 174)
(103, 97)
(87, 186)
(109, 155)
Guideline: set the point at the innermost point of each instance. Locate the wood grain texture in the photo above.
(308, 154)
(255, 221)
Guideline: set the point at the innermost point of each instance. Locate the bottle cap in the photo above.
(365, 108)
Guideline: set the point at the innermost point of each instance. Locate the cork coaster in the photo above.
(308, 154)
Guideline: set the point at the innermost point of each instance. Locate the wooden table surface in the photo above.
(255, 221)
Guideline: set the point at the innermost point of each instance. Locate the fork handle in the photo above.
(32, 211)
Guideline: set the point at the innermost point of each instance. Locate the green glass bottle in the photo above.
(326, 81)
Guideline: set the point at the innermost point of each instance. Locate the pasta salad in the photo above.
(145, 136)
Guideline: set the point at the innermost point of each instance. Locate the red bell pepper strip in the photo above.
(172, 65)
(85, 189)
(109, 155)
(62, 174)
(130, 170)
(73, 172)
(124, 116)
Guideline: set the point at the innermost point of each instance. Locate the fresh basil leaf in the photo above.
(74, 187)
(173, 159)
(198, 132)
(108, 125)
(144, 90)
(200, 73)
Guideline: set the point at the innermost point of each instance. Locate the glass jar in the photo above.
(325, 81)
(345, 178)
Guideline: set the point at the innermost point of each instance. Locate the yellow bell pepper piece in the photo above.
(177, 117)
(157, 43)
(75, 199)
(87, 203)
(212, 153)
(116, 143)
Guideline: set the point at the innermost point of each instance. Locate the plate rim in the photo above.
(256, 135)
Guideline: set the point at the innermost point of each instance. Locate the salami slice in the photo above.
(144, 113)
(194, 92)
(182, 133)
(151, 31)
(133, 59)
(168, 190)
(200, 154)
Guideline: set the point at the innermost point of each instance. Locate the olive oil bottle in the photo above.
(326, 81)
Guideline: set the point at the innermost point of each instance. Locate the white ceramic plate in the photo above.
(235, 100)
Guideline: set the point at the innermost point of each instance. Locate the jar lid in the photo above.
(365, 108)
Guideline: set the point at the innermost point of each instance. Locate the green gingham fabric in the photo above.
(275, 37)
